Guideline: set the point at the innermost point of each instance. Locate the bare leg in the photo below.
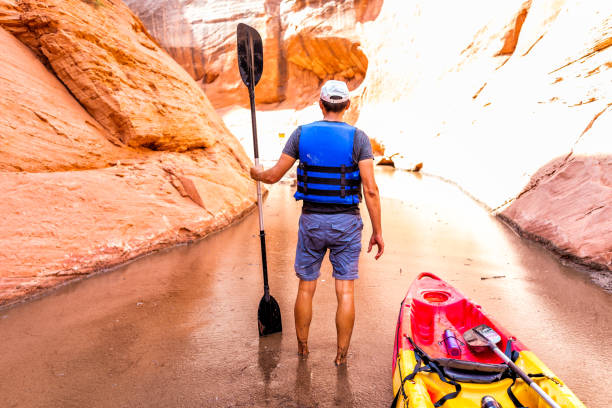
(345, 317)
(303, 313)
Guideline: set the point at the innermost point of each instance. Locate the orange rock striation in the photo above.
(110, 149)
(484, 94)
(305, 42)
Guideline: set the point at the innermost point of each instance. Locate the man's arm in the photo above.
(372, 199)
(275, 173)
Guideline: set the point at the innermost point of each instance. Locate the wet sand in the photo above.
(178, 329)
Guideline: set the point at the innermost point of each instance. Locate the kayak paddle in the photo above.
(250, 64)
(483, 335)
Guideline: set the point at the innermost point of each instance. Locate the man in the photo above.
(335, 161)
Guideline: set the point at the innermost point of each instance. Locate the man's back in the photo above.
(335, 163)
(361, 150)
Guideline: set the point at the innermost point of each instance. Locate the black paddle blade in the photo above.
(269, 317)
(250, 54)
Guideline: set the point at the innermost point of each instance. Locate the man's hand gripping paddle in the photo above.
(484, 336)
(250, 64)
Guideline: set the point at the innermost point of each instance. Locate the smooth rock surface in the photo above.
(63, 225)
(42, 126)
(564, 206)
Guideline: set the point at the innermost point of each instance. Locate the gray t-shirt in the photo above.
(362, 150)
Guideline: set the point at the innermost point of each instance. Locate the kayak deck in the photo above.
(432, 307)
(435, 306)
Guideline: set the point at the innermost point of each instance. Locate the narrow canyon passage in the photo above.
(179, 328)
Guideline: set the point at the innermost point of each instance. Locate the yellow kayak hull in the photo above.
(427, 388)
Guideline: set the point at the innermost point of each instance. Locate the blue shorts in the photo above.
(340, 233)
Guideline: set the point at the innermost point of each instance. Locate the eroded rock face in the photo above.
(83, 188)
(103, 54)
(10, 20)
(482, 117)
(489, 106)
(305, 43)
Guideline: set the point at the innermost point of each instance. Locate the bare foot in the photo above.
(302, 348)
(341, 356)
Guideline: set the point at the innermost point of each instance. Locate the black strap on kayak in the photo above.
(452, 395)
(418, 367)
(515, 400)
(397, 360)
(409, 377)
(508, 351)
(394, 402)
(432, 366)
(396, 398)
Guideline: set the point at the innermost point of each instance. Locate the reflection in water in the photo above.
(268, 357)
(344, 392)
(303, 379)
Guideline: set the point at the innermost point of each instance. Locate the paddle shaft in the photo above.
(262, 234)
(521, 374)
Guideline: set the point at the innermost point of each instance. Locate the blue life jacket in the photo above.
(327, 172)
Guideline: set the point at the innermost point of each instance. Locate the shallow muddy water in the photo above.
(178, 328)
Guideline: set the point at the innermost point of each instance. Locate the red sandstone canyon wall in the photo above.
(305, 42)
(511, 100)
(110, 150)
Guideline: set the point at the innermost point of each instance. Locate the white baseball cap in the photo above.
(335, 92)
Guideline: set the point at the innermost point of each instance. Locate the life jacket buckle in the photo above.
(304, 177)
(343, 181)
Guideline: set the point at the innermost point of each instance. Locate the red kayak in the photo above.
(434, 366)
